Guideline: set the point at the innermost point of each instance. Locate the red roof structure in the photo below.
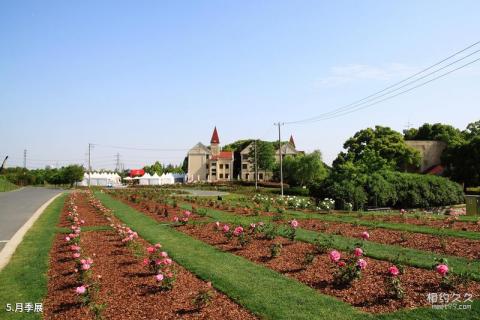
(435, 170)
(291, 141)
(226, 155)
(215, 138)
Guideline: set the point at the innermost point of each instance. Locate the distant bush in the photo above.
(296, 191)
(391, 189)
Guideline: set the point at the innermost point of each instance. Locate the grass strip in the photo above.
(24, 278)
(407, 256)
(266, 293)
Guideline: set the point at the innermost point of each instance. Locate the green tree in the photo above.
(304, 169)
(154, 168)
(378, 149)
(265, 155)
(438, 131)
(463, 162)
(472, 131)
(71, 174)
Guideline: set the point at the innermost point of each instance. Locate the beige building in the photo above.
(430, 151)
(209, 163)
(247, 169)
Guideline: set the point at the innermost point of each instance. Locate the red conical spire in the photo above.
(215, 138)
(291, 141)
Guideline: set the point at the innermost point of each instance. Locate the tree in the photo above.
(265, 155)
(378, 149)
(71, 174)
(438, 131)
(472, 131)
(304, 169)
(154, 168)
(463, 162)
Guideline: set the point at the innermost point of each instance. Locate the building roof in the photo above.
(435, 170)
(292, 142)
(225, 155)
(199, 148)
(215, 138)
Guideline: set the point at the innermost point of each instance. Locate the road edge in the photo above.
(9, 249)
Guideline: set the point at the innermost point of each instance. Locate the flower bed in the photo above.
(122, 287)
(369, 293)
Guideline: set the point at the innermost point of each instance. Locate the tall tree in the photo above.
(438, 131)
(379, 148)
(265, 155)
(302, 170)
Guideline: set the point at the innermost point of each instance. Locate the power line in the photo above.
(393, 96)
(140, 149)
(375, 95)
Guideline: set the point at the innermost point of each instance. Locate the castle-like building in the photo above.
(210, 164)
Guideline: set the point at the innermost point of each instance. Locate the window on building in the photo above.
(221, 175)
(260, 176)
(208, 156)
(246, 176)
(221, 166)
(214, 164)
(244, 166)
(206, 166)
(214, 173)
(226, 175)
(227, 166)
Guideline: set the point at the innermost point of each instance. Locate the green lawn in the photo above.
(266, 293)
(24, 279)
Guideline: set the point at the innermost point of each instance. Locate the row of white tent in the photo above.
(103, 179)
(155, 179)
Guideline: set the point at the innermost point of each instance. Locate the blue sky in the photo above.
(162, 74)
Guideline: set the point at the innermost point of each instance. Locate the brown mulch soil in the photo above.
(156, 211)
(367, 293)
(127, 288)
(460, 247)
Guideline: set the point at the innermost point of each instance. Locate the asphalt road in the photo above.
(16, 207)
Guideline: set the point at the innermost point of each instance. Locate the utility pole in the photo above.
(117, 165)
(256, 164)
(25, 158)
(280, 154)
(89, 162)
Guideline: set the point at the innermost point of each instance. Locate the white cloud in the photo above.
(341, 75)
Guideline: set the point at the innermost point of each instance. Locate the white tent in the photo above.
(145, 179)
(155, 180)
(103, 179)
(167, 178)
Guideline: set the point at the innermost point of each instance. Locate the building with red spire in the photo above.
(210, 163)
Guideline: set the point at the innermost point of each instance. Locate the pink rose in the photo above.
(164, 254)
(294, 223)
(167, 261)
(393, 271)
(76, 255)
(175, 219)
(85, 266)
(187, 213)
(238, 231)
(151, 249)
(252, 225)
(67, 239)
(362, 264)
(159, 277)
(226, 228)
(158, 245)
(334, 256)
(146, 262)
(365, 235)
(80, 290)
(442, 269)
(358, 252)
(341, 264)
